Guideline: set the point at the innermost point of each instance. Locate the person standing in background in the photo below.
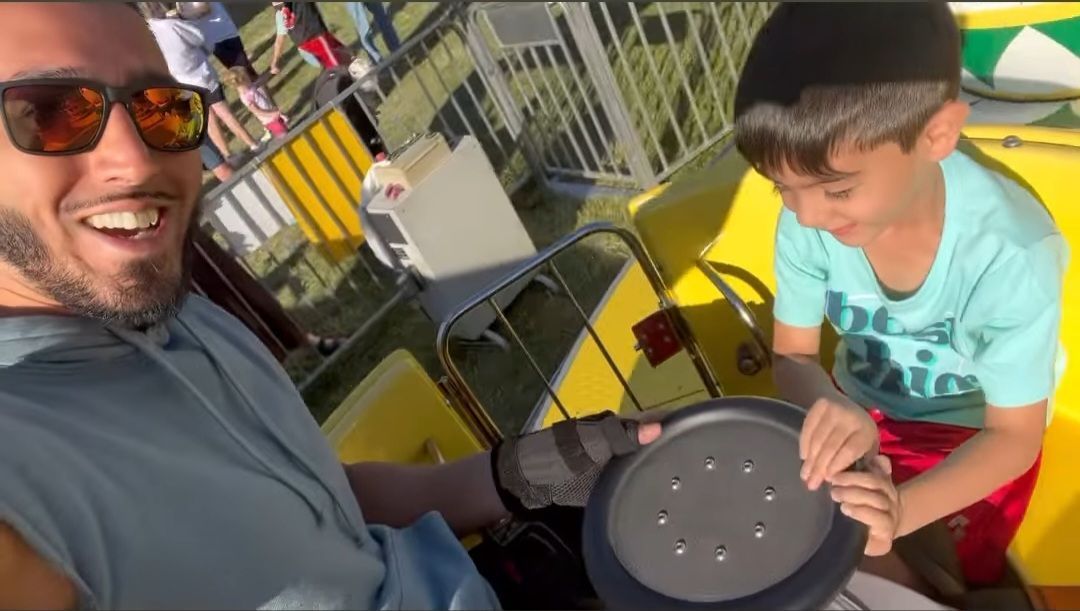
(257, 100)
(282, 33)
(216, 275)
(385, 24)
(366, 32)
(188, 56)
(308, 31)
(220, 32)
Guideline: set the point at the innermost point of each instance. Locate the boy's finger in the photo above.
(853, 495)
(844, 458)
(810, 424)
(822, 454)
(814, 440)
(883, 464)
(862, 479)
(879, 522)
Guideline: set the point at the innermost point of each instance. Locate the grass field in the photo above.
(435, 91)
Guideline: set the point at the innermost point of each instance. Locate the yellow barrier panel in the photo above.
(318, 174)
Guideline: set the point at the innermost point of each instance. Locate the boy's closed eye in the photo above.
(841, 195)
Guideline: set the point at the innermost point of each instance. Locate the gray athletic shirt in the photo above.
(180, 468)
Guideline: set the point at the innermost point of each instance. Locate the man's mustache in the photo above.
(77, 205)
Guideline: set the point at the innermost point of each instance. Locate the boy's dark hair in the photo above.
(820, 75)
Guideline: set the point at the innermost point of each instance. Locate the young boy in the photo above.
(941, 278)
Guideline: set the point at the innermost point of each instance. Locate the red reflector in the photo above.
(656, 338)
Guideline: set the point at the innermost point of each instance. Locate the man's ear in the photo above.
(942, 132)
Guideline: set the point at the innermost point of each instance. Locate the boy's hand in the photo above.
(836, 433)
(871, 498)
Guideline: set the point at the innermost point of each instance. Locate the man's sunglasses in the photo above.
(60, 116)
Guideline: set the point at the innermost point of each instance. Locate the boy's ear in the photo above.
(942, 132)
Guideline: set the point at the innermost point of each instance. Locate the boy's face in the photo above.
(873, 190)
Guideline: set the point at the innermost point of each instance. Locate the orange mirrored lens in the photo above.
(169, 118)
(53, 118)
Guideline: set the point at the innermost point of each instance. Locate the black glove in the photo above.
(560, 465)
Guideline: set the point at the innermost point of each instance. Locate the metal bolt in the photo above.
(710, 463)
(748, 466)
(680, 547)
(676, 483)
(661, 518)
(759, 530)
(721, 553)
(1011, 142)
(770, 493)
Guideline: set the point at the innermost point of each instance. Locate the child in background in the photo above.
(257, 100)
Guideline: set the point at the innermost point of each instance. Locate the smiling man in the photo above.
(152, 452)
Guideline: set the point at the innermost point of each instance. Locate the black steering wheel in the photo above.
(713, 515)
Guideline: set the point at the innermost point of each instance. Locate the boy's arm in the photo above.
(836, 432)
(797, 370)
(1004, 450)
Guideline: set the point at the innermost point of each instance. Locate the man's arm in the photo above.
(1004, 450)
(555, 465)
(397, 495)
(27, 581)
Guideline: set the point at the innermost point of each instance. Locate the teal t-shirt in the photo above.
(983, 327)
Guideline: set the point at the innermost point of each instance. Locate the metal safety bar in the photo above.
(469, 404)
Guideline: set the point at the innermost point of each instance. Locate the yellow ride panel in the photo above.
(320, 183)
(398, 414)
(586, 384)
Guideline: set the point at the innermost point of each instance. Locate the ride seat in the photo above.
(734, 209)
(398, 414)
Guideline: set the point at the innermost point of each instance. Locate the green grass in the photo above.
(335, 299)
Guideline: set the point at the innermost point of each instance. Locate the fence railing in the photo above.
(620, 93)
(626, 92)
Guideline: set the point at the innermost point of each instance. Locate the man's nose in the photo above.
(121, 152)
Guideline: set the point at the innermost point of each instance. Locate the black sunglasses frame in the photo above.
(111, 96)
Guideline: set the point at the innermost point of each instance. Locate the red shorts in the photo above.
(983, 531)
(328, 50)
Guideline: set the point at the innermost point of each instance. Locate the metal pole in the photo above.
(657, 82)
(676, 56)
(592, 53)
(634, 89)
(532, 361)
(586, 319)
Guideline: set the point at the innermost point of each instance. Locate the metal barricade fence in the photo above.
(290, 214)
(624, 92)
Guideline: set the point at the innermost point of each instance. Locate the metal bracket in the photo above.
(750, 358)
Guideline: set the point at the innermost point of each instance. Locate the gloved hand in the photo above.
(560, 465)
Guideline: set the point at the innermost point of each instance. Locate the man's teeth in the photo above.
(143, 219)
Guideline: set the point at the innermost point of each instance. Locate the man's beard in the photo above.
(144, 294)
